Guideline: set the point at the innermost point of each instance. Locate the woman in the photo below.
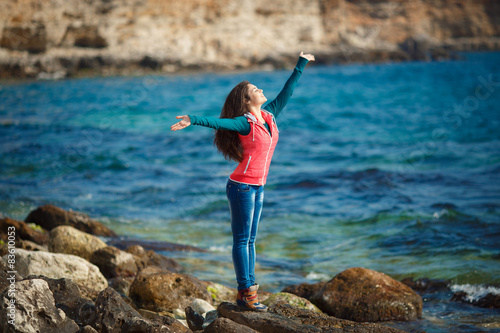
(247, 134)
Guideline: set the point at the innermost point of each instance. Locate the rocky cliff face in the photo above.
(58, 38)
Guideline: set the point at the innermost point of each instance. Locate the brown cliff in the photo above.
(58, 38)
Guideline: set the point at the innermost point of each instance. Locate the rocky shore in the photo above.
(59, 273)
(57, 39)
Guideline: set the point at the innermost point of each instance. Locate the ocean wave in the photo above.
(475, 292)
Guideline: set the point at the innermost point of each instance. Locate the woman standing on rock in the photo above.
(247, 134)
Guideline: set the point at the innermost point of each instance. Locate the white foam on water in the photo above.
(220, 248)
(317, 276)
(474, 292)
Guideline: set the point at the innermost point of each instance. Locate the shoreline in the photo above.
(24, 67)
(124, 262)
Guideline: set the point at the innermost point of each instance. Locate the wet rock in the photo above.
(67, 297)
(426, 285)
(114, 315)
(145, 258)
(58, 265)
(68, 240)
(34, 310)
(304, 290)
(194, 319)
(159, 290)
(31, 38)
(114, 262)
(482, 296)
(292, 300)
(22, 232)
(490, 301)
(49, 217)
(362, 294)
(224, 325)
(210, 316)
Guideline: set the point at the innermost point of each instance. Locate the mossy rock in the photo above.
(221, 293)
(292, 300)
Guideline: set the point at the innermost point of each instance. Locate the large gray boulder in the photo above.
(33, 311)
(67, 297)
(57, 266)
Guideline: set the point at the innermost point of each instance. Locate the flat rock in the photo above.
(327, 323)
(49, 217)
(66, 239)
(362, 295)
(264, 322)
(35, 310)
(224, 325)
(159, 290)
(58, 265)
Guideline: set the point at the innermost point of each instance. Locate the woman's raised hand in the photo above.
(185, 122)
(308, 56)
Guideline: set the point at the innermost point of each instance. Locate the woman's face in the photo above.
(255, 95)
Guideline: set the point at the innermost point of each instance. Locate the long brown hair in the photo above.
(228, 142)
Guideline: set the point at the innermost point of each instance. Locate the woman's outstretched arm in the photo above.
(277, 105)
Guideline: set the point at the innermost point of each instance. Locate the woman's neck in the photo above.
(255, 110)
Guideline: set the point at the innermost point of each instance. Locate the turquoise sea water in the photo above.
(392, 167)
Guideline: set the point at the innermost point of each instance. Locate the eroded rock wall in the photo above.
(110, 36)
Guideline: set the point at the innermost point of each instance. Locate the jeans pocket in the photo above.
(244, 188)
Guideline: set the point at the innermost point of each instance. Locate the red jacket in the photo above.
(258, 148)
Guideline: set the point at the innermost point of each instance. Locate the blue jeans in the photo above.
(245, 206)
